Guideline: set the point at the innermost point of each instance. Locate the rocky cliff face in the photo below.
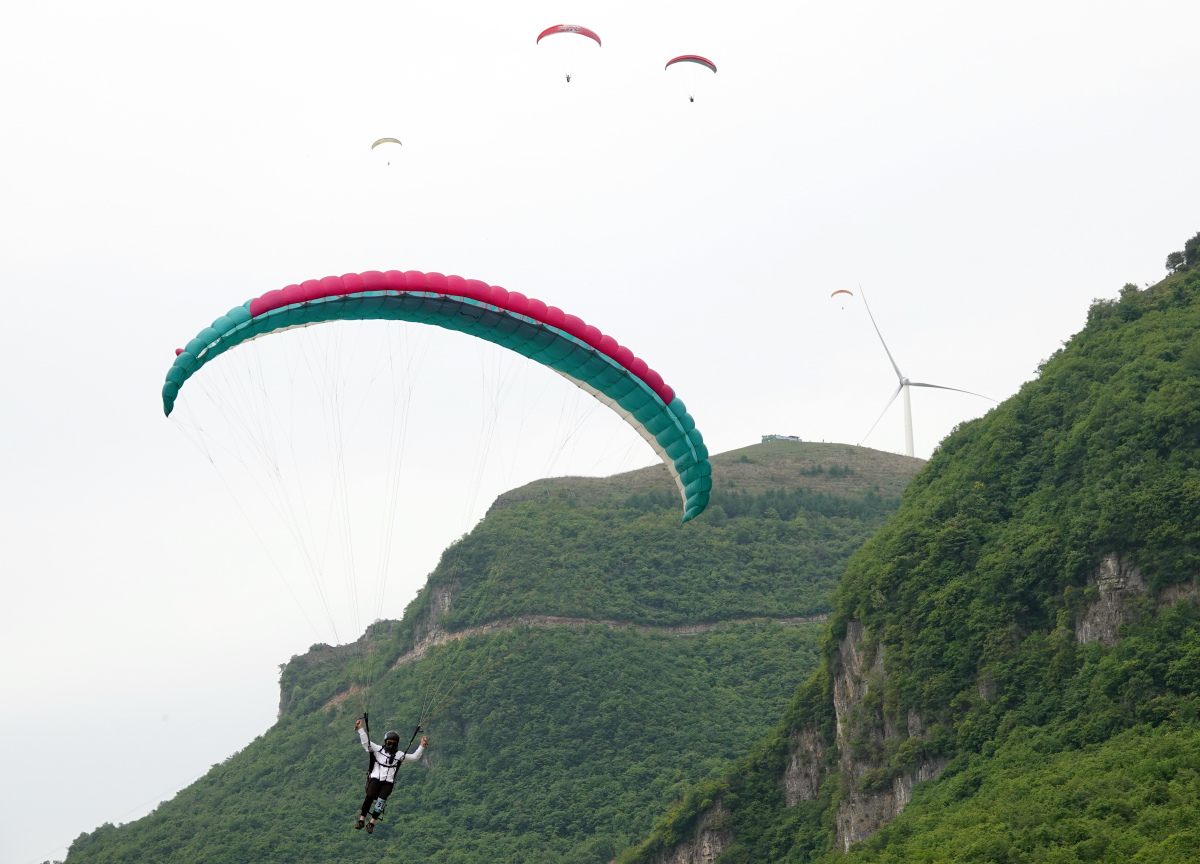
(1120, 588)
(375, 634)
(430, 631)
(1120, 583)
(712, 838)
(805, 768)
(873, 794)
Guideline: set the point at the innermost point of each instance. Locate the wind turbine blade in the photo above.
(881, 413)
(880, 335)
(955, 389)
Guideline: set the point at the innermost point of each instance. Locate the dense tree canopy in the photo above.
(547, 744)
(974, 587)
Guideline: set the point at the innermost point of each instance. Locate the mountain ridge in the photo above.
(828, 467)
(1035, 585)
(555, 743)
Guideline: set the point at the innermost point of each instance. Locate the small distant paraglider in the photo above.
(387, 141)
(842, 291)
(692, 58)
(569, 29)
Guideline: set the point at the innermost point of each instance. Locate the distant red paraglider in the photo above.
(567, 50)
(569, 28)
(699, 61)
(691, 58)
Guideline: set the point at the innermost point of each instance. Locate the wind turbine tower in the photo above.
(903, 387)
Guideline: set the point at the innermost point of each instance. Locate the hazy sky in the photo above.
(983, 171)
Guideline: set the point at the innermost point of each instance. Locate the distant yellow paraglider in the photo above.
(841, 291)
(387, 141)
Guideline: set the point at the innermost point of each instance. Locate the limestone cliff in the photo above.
(1120, 587)
(872, 792)
(1118, 583)
(711, 839)
(805, 768)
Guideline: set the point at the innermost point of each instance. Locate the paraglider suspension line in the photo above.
(370, 755)
(416, 732)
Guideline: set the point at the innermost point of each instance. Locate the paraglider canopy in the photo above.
(841, 291)
(386, 141)
(691, 58)
(569, 28)
(578, 351)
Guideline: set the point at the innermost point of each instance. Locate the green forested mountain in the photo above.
(578, 660)
(1012, 667)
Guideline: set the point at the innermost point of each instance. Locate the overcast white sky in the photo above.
(983, 170)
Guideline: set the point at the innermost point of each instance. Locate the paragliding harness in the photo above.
(372, 760)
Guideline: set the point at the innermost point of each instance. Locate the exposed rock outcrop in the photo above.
(430, 631)
(352, 690)
(377, 632)
(806, 764)
(1120, 584)
(873, 794)
(712, 838)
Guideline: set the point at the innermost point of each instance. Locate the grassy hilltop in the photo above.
(581, 658)
(1025, 629)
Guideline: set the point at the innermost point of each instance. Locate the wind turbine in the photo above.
(903, 388)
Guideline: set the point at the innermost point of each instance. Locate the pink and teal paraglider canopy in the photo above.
(578, 351)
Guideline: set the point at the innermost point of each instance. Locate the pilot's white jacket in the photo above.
(386, 764)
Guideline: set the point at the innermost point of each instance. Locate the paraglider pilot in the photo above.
(381, 776)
